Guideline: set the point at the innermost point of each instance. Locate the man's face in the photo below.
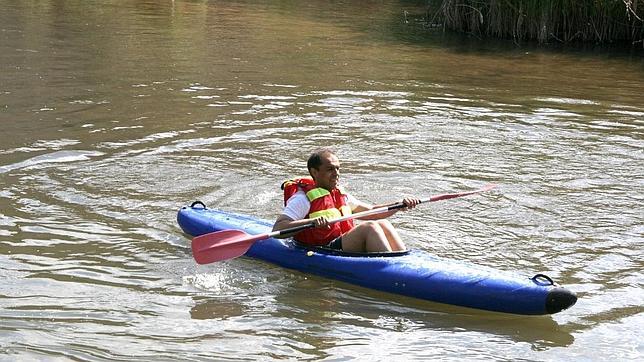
(328, 174)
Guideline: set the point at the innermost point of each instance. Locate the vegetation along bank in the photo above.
(597, 21)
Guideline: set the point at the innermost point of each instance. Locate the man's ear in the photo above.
(313, 172)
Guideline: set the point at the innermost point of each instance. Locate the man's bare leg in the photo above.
(367, 236)
(395, 242)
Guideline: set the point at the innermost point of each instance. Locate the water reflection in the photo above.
(323, 308)
(356, 306)
(212, 308)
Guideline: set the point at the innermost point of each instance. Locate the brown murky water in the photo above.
(116, 113)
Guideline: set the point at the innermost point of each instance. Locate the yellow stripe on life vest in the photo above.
(316, 193)
(328, 213)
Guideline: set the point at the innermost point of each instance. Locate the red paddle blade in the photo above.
(222, 245)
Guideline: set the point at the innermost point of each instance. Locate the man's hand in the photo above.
(320, 222)
(410, 203)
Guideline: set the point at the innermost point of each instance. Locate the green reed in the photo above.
(600, 21)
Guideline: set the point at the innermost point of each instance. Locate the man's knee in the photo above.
(372, 226)
(385, 224)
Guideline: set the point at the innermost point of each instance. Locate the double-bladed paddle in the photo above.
(229, 244)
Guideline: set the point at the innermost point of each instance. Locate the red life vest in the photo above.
(332, 204)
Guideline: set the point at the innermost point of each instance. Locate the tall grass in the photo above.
(600, 21)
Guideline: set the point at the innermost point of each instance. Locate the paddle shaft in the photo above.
(379, 210)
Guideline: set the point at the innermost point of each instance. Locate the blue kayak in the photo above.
(413, 273)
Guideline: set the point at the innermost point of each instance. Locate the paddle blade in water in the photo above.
(222, 245)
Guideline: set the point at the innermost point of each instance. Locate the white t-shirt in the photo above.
(297, 207)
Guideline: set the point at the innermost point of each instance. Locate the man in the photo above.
(322, 200)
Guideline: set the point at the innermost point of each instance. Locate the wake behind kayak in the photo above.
(413, 273)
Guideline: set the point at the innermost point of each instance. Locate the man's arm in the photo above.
(285, 222)
(360, 206)
(294, 214)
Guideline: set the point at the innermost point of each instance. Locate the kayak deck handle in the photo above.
(540, 278)
(198, 203)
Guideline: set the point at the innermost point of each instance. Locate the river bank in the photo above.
(599, 22)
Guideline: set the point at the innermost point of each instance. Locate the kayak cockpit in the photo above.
(329, 251)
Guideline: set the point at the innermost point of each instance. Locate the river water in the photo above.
(115, 114)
